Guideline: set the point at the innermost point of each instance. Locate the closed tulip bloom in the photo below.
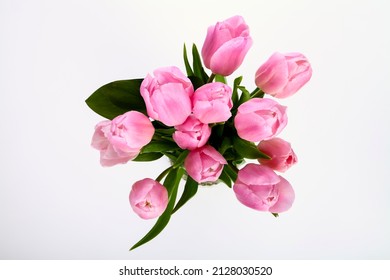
(260, 119)
(260, 188)
(226, 45)
(121, 139)
(204, 164)
(191, 134)
(148, 198)
(282, 75)
(212, 103)
(167, 95)
(281, 154)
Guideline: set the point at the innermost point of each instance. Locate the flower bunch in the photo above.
(206, 128)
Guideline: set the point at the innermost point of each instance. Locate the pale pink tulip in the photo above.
(204, 164)
(148, 198)
(167, 95)
(191, 134)
(212, 103)
(226, 45)
(281, 153)
(282, 75)
(121, 139)
(259, 188)
(260, 119)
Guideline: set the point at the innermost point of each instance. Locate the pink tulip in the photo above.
(148, 198)
(204, 164)
(226, 45)
(259, 188)
(260, 119)
(283, 75)
(167, 95)
(281, 153)
(121, 139)
(212, 103)
(191, 134)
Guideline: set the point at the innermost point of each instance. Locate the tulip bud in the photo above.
(260, 119)
(148, 198)
(226, 45)
(259, 188)
(191, 134)
(167, 95)
(282, 75)
(204, 164)
(281, 153)
(121, 139)
(212, 103)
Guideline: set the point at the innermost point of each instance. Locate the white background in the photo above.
(57, 202)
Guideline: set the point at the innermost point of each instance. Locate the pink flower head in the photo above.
(260, 119)
(259, 188)
(204, 164)
(121, 139)
(212, 103)
(148, 198)
(281, 153)
(191, 134)
(283, 75)
(226, 45)
(167, 95)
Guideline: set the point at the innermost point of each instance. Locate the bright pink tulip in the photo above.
(283, 75)
(167, 95)
(259, 188)
(226, 45)
(148, 198)
(191, 134)
(121, 139)
(204, 164)
(281, 153)
(260, 119)
(212, 103)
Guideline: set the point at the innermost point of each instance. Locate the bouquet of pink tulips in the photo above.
(205, 127)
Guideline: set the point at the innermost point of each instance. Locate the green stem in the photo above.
(232, 171)
(162, 175)
(257, 93)
(212, 76)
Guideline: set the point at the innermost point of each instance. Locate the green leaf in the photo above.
(247, 149)
(236, 83)
(117, 98)
(276, 215)
(245, 95)
(159, 146)
(165, 131)
(148, 156)
(190, 189)
(180, 159)
(226, 144)
(186, 62)
(257, 93)
(220, 78)
(196, 82)
(231, 171)
(197, 65)
(171, 183)
(225, 177)
(171, 156)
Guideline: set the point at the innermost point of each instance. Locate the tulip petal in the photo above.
(173, 103)
(286, 197)
(254, 174)
(148, 198)
(230, 55)
(272, 76)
